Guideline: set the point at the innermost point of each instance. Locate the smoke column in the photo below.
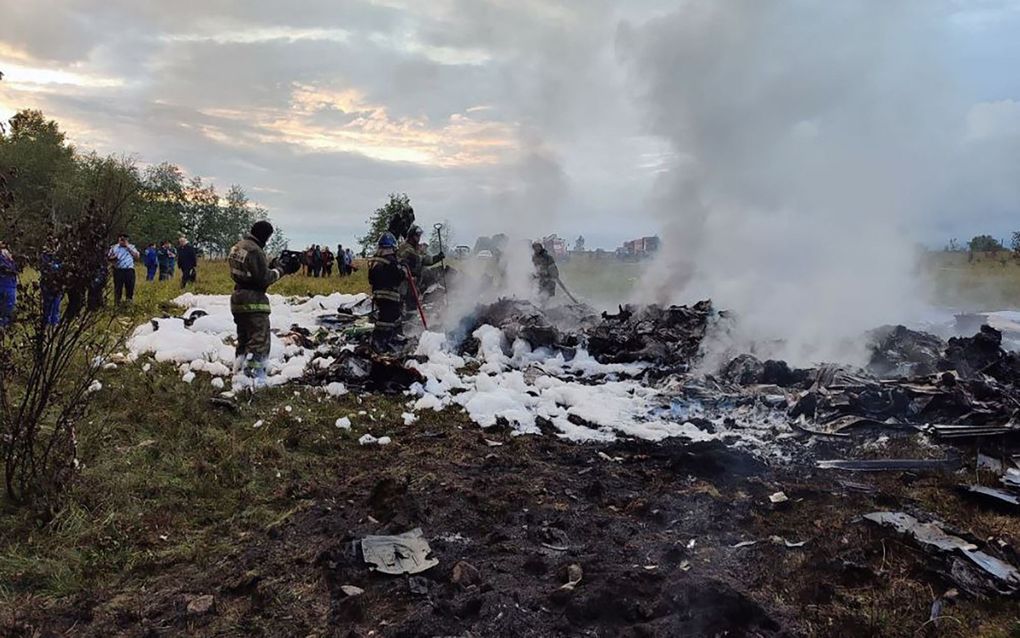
(809, 139)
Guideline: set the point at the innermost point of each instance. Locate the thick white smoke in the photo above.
(810, 139)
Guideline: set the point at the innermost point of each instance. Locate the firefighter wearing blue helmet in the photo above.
(386, 275)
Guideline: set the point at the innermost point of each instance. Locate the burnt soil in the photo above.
(652, 529)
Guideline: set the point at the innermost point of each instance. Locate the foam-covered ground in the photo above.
(582, 399)
(205, 346)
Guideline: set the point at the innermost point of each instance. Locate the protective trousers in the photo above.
(8, 299)
(388, 315)
(253, 339)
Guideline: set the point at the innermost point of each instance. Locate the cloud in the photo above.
(482, 110)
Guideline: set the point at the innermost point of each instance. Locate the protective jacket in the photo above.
(415, 259)
(385, 275)
(546, 272)
(545, 266)
(252, 275)
(187, 258)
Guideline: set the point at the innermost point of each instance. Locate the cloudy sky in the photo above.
(528, 115)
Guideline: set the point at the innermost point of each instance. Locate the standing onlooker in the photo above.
(188, 259)
(327, 262)
(151, 261)
(316, 261)
(123, 256)
(341, 267)
(308, 261)
(349, 261)
(8, 285)
(49, 283)
(171, 254)
(163, 259)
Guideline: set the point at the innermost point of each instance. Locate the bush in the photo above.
(49, 361)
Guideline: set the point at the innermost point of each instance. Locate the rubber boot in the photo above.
(255, 368)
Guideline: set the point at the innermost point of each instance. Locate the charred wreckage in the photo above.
(954, 397)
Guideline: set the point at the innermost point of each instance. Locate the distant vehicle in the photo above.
(462, 251)
(484, 254)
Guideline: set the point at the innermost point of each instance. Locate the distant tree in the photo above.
(953, 246)
(579, 244)
(278, 242)
(35, 152)
(380, 219)
(985, 244)
(1014, 243)
(163, 201)
(112, 183)
(50, 182)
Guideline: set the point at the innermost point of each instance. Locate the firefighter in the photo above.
(386, 276)
(546, 272)
(253, 274)
(413, 255)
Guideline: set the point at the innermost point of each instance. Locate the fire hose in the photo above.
(414, 293)
(564, 287)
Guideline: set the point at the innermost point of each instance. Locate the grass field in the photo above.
(172, 485)
(164, 476)
(989, 282)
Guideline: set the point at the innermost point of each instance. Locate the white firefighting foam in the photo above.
(580, 399)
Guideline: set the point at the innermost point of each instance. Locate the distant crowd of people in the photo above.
(164, 260)
(121, 258)
(319, 261)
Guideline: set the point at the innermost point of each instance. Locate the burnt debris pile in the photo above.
(897, 351)
(969, 386)
(364, 369)
(664, 336)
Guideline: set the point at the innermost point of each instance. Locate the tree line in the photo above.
(52, 179)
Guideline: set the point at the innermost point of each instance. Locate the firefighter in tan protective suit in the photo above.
(253, 274)
(412, 254)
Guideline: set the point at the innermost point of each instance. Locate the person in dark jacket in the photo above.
(316, 261)
(327, 262)
(187, 258)
(341, 261)
(249, 304)
(386, 275)
(8, 285)
(49, 283)
(151, 260)
(163, 260)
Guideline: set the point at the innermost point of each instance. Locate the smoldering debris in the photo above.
(974, 570)
(366, 370)
(666, 336)
(663, 335)
(897, 351)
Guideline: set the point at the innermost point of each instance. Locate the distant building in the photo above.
(639, 248)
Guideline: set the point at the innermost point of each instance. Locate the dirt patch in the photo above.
(658, 530)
